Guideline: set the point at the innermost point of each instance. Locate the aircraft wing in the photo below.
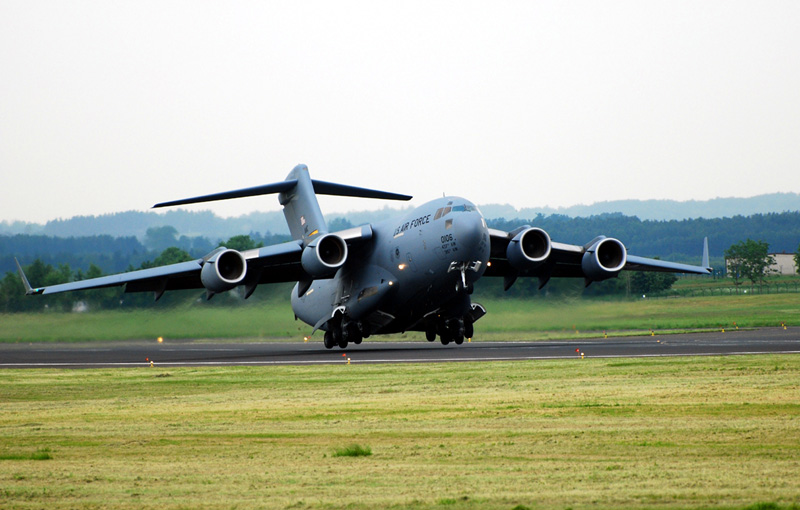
(574, 261)
(269, 264)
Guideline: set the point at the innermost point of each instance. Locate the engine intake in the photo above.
(604, 259)
(223, 271)
(324, 256)
(529, 249)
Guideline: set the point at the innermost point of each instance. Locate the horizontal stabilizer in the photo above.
(331, 188)
(320, 188)
(266, 189)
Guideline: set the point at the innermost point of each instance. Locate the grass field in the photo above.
(706, 432)
(507, 319)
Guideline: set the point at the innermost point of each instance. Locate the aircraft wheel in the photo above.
(351, 332)
(337, 335)
(469, 329)
(430, 334)
(445, 339)
(329, 343)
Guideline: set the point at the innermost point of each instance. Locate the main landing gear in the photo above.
(451, 330)
(341, 332)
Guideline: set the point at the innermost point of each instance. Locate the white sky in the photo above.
(112, 106)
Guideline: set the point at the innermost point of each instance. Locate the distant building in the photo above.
(784, 264)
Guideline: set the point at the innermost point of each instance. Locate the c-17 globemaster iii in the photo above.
(415, 272)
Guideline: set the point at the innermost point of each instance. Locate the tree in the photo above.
(749, 260)
(39, 274)
(161, 238)
(241, 243)
(797, 260)
(171, 255)
(644, 282)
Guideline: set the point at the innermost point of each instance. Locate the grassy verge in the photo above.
(508, 319)
(666, 433)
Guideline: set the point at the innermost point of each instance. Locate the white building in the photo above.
(784, 264)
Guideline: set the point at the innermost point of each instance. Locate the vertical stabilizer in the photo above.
(705, 253)
(300, 206)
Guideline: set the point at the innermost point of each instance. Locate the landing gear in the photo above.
(341, 332)
(451, 330)
(430, 333)
(351, 332)
(462, 287)
(329, 340)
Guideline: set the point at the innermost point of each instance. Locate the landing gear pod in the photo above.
(324, 256)
(223, 271)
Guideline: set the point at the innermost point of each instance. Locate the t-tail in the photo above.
(298, 196)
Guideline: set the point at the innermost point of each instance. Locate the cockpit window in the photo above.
(444, 211)
(465, 208)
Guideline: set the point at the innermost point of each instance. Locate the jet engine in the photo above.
(528, 249)
(604, 259)
(324, 256)
(223, 271)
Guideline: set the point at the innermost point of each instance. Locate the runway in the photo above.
(189, 353)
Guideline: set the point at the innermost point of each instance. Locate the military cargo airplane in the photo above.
(413, 273)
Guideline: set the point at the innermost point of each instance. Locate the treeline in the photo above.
(678, 241)
(109, 254)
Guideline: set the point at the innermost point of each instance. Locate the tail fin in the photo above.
(705, 262)
(300, 206)
(297, 195)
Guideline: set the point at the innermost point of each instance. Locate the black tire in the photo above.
(430, 334)
(328, 341)
(469, 329)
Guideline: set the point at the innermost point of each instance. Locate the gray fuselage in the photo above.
(416, 265)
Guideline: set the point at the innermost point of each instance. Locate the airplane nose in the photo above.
(472, 237)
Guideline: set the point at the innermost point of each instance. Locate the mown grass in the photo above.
(668, 433)
(508, 319)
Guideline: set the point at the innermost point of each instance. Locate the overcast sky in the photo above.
(112, 106)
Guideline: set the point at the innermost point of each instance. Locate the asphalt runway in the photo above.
(188, 353)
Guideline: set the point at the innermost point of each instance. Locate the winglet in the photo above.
(28, 289)
(705, 254)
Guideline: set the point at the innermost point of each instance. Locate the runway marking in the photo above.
(368, 361)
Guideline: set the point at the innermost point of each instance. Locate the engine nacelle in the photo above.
(223, 271)
(529, 249)
(604, 259)
(324, 256)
